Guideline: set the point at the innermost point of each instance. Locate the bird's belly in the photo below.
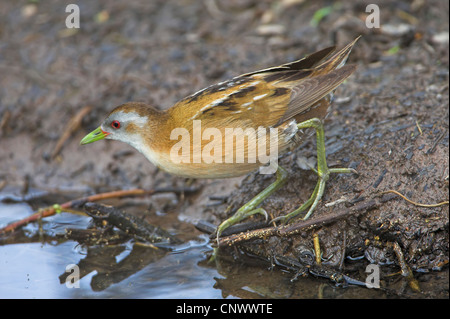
(210, 170)
(198, 168)
(207, 161)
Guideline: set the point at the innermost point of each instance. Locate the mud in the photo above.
(389, 120)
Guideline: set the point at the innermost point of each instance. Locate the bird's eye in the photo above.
(115, 124)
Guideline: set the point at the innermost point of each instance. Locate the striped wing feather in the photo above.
(271, 96)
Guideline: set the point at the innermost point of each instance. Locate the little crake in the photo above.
(287, 99)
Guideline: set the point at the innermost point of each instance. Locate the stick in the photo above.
(71, 127)
(289, 230)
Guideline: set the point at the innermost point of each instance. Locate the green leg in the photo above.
(250, 208)
(323, 172)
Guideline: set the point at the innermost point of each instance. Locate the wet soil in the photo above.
(389, 120)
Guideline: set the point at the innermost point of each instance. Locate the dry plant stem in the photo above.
(293, 229)
(70, 128)
(405, 269)
(317, 248)
(415, 203)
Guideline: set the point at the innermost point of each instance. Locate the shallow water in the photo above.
(35, 267)
(33, 270)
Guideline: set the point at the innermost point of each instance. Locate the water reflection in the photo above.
(33, 264)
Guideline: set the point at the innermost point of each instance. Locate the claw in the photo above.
(261, 211)
(322, 171)
(240, 215)
(249, 208)
(283, 219)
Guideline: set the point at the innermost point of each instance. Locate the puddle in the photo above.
(38, 269)
(35, 267)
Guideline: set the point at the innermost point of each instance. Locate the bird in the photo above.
(266, 111)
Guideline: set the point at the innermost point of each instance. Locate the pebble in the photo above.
(441, 38)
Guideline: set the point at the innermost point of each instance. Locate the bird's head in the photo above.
(125, 123)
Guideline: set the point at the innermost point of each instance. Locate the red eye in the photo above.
(115, 124)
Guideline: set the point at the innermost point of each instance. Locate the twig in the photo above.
(289, 230)
(5, 119)
(73, 124)
(52, 210)
(344, 245)
(433, 147)
(405, 269)
(317, 248)
(380, 179)
(418, 127)
(414, 203)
